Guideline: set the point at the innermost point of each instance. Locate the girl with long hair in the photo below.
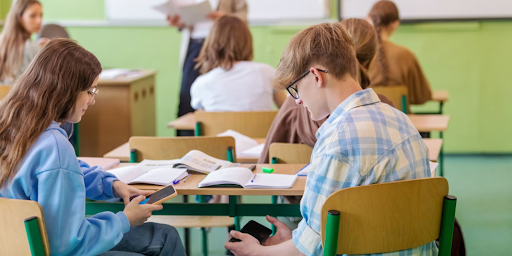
(230, 80)
(38, 163)
(16, 48)
(395, 64)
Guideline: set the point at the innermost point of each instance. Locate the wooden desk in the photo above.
(123, 153)
(434, 148)
(430, 123)
(185, 122)
(440, 96)
(125, 107)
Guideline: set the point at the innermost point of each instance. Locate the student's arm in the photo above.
(196, 94)
(279, 97)
(420, 91)
(98, 183)
(61, 194)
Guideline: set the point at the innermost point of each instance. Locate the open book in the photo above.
(243, 177)
(137, 174)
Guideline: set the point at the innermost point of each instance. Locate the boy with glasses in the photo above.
(364, 141)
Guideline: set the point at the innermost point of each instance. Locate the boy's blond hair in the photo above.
(326, 44)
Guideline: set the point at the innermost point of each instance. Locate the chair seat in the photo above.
(194, 221)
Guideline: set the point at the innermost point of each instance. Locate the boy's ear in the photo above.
(319, 77)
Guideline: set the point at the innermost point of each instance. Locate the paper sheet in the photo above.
(242, 142)
(190, 13)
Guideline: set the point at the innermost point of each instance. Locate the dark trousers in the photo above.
(189, 76)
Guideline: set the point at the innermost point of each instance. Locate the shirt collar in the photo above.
(357, 99)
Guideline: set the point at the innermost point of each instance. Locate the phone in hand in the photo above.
(256, 230)
(159, 196)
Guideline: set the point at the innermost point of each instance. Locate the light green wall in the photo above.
(469, 59)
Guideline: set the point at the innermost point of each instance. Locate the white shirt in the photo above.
(202, 29)
(246, 87)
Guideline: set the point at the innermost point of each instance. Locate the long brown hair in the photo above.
(382, 14)
(230, 40)
(12, 40)
(47, 91)
(365, 42)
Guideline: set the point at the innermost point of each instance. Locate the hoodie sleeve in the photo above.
(98, 183)
(61, 194)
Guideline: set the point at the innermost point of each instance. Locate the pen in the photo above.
(252, 167)
(253, 178)
(182, 179)
(186, 178)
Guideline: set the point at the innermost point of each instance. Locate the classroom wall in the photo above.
(469, 59)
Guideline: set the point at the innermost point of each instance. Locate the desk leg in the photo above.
(232, 211)
(441, 156)
(274, 201)
(441, 108)
(187, 231)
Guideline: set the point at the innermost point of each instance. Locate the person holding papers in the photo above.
(38, 163)
(230, 81)
(362, 142)
(192, 41)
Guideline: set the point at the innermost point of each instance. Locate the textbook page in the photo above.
(230, 176)
(242, 142)
(161, 176)
(202, 162)
(127, 173)
(263, 180)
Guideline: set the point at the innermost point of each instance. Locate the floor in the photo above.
(483, 186)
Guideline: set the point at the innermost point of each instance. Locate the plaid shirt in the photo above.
(363, 142)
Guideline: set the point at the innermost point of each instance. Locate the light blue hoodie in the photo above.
(51, 175)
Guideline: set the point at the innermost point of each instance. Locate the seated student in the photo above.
(38, 163)
(293, 123)
(395, 64)
(16, 48)
(230, 81)
(364, 141)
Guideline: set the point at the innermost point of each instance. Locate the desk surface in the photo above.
(185, 122)
(424, 123)
(123, 80)
(123, 153)
(430, 123)
(440, 96)
(190, 186)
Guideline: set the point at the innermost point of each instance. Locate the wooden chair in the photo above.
(23, 229)
(252, 124)
(4, 90)
(388, 217)
(289, 153)
(156, 148)
(398, 94)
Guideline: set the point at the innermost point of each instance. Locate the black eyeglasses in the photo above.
(293, 90)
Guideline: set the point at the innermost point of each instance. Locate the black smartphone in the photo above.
(256, 230)
(159, 196)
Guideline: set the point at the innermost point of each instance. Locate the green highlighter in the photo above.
(267, 170)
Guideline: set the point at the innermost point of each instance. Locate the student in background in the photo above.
(192, 41)
(38, 163)
(395, 64)
(293, 123)
(16, 48)
(230, 81)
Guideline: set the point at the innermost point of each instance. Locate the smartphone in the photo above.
(159, 196)
(256, 230)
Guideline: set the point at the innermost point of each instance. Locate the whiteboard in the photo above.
(433, 9)
(259, 10)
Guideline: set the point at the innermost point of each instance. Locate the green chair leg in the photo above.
(447, 222)
(331, 233)
(198, 131)
(205, 241)
(404, 104)
(34, 236)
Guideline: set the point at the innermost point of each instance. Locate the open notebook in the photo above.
(159, 176)
(243, 177)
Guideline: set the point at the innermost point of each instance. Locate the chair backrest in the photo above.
(14, 237)
(157, 148)
(252, 124)
(398, 94)
(4, 90)
(387, 217)
(53, 31)
(288, 153)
